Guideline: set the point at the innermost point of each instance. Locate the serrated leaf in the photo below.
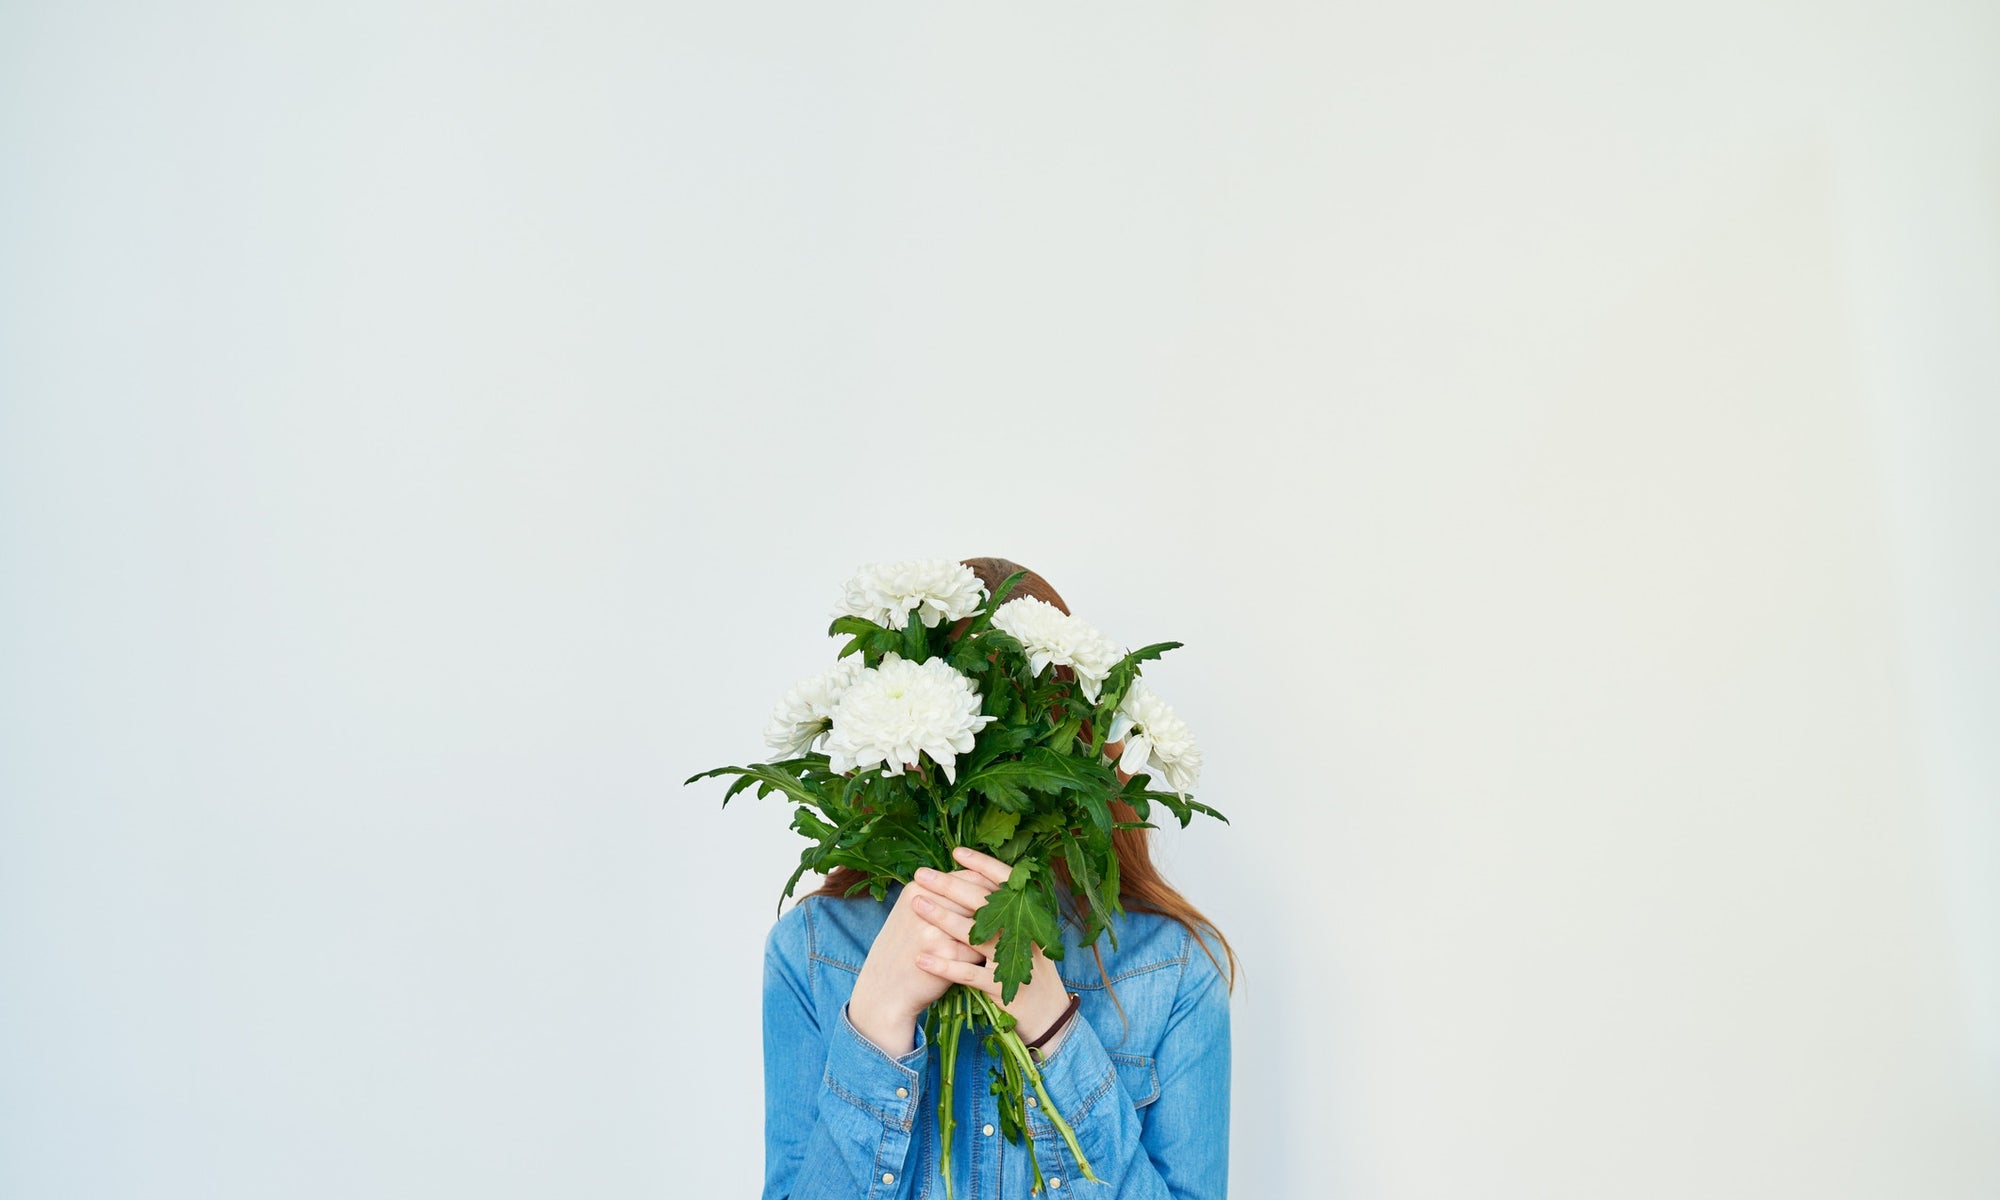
(1144, 653)
(1008, 783)
(995, 826)
(1019, 914)
(1014, 846)
(851, 624)
(1083, 873)
(1098, 808)
(768, 778)
(808, 822)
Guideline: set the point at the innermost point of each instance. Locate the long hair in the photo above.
(1141, 888)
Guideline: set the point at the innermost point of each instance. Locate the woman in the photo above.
(1135, 1056)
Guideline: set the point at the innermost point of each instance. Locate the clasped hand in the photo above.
(947, 902)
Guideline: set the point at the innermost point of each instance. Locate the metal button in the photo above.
(1055, 1181)
(1031, 1102)
(902, 1092)
(988, 1131)
(888, 1178)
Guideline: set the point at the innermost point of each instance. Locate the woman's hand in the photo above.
(892, 991)
(948, 902)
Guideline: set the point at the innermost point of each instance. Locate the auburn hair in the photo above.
(1141, 888)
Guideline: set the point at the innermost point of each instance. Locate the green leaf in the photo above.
(1014, 847)
(851, 624)
(768, 777)
(1144, 653)
(1083, 873)
(1098, 807)
(916, 640)
(994, 600)
(1111, 888)
(808, 822)
(1061, 736)
(996, 826)
(1117, 682)
(1009, 783)
(1020, 916)
(1181, 806)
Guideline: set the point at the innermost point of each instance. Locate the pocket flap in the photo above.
(1139, 1077)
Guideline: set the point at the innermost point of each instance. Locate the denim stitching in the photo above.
(1152, 1074)
(1041, 1127)
(1181, 959)
(902, 1124)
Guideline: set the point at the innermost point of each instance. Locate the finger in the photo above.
(968, 887)
(917, 891)
(984, 863)
(942, 945)
(958, 925)
(980, 977)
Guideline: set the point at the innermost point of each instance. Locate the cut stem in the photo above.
(1017, 1050)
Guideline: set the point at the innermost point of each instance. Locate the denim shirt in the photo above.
(1147, 1096)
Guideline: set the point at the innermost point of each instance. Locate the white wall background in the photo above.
(1565, 437)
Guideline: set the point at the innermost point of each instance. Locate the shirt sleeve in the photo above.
(1176, 1148)
(838, 1110)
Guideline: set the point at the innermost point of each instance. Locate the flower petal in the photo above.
(1137, 751)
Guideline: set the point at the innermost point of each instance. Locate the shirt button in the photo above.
(1055, 1181)
(902, 1092)
(888, 1178)
(988, 1131)
(1031, 1102)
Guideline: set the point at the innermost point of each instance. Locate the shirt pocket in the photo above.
(1141, 1079)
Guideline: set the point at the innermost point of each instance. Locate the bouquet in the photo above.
(945, 721)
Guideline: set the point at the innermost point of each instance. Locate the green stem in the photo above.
(946, 1071)
(1018, 1051)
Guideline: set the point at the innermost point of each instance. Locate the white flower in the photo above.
(940, 589)
(1049, 635)
(1155, 739)
(806, 712)
(893, 712)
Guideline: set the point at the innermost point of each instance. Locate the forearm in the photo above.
(863, 1114)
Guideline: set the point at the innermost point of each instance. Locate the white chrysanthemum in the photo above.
(1049, 635)
(1155, 739)
(892, 713)
(940, 589)
(806, 712)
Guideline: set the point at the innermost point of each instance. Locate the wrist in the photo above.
(891, 1031)
(1052, 1013)
(1057, 1031)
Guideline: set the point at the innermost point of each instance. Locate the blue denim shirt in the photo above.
(1147, 1096)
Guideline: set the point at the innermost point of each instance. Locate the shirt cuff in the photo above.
(1079, 1076)
(868, 1077)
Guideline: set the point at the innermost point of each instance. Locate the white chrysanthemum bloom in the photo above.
(894, 712)
(1049, 635)
(1156, 740)
(806, 712)
(940, 589)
